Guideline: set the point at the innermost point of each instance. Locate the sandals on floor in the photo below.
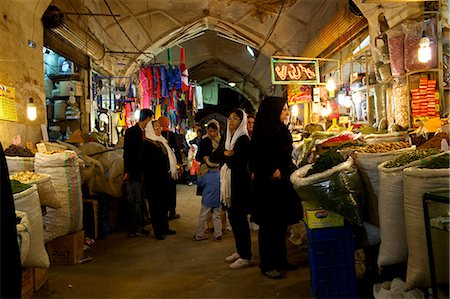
(274, 274)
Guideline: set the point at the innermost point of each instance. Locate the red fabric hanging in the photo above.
(184, 73)
(158, 82)
(149, 76)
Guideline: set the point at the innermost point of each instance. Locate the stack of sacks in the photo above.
(28, 202)
(65, 175)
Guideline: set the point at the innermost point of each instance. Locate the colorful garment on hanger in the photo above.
(149, 75)
(144, 88)
(177, 75)
(158, 82)
(184, 73)
(170, 78)
(164, 85)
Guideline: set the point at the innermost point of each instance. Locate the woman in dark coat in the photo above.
(159, 172)
(276, 203)
(235, 187)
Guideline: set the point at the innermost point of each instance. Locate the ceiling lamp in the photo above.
(424, 52)
(31, 110)
(331, 85)
(232, 84)
(250, 51)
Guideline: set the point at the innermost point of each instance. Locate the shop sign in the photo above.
(287, 70)
(299, 94)
(8, 109)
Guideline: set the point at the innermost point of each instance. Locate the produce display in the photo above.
(424, 101)
(410, 157)
(326, 161)
(18, 151)
(383, 147)
(18, 187)
(435, 141)
(438, 162)
(401, 102)
(27, 177)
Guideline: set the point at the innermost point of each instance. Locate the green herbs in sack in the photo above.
(326, 161)
(18, 187)
(411, 157)
(437, 162)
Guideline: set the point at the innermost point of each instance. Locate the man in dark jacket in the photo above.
(133, 173)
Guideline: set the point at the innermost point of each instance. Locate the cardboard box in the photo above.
(66, 250)
(316, 217)
(40, 276)
(27, 283)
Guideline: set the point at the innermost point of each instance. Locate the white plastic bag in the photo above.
(395, 290)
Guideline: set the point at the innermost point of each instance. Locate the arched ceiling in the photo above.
(214, 33)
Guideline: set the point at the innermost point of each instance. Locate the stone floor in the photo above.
(177, 267)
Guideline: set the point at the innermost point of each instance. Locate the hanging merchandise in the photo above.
(145, 88)
(199, 97)
(177, 77)
(380, 102)
(401, 102)
(184, 73)
(157, 76)
(163, 75)
(395, 42)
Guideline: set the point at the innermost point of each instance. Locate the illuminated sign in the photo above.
(286, 70)
(299, 94)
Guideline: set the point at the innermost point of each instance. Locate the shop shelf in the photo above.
(332, 263)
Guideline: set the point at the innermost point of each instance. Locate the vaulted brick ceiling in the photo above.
(214, 33)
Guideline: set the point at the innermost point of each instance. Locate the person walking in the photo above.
(159, 169)
(235, 187)
(277, 204)
(134, 137)
(172, 140)
(210, 181)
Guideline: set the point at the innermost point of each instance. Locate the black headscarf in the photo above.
(268, 126)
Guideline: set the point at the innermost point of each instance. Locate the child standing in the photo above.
(193, 164)
(210, 202)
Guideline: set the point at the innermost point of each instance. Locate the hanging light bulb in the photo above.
(137, 113)
(331, 85)
(424, 53)
(31, 110)
(295, 110)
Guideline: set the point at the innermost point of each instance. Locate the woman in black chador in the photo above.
(159, 169)
(276, 203)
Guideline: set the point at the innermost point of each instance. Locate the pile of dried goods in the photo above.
(383, 147)
(410, 157)
(17, 150)
(26, 177)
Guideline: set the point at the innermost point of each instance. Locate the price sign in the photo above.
(8, 109)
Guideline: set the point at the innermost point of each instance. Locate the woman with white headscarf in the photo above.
(235, 187)
(159, 172)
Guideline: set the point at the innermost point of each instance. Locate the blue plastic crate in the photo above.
(332, 262)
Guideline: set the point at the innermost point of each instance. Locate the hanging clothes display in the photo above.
(144, 88)
(184, 73)
(199, 97)
(167, 91)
